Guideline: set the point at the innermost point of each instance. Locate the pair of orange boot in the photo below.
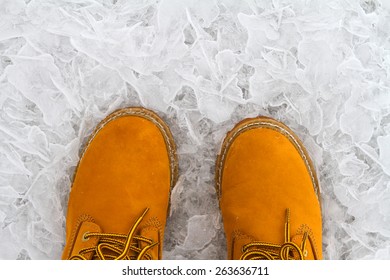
(266, 184)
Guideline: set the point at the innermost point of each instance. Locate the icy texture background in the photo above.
(322, 67)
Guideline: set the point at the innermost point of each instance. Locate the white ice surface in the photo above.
(322, 67)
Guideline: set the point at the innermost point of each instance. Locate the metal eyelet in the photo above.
(85, 238)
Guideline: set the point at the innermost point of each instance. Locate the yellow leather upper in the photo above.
(125, 168)
(262, 173)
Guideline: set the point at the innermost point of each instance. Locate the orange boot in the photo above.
(120, 195)
(268, 193)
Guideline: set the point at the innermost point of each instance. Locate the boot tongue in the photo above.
(82, 243)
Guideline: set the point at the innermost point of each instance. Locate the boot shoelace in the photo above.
(268, 251)
(114, 246)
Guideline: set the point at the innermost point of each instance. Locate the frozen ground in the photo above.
(322, 67)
